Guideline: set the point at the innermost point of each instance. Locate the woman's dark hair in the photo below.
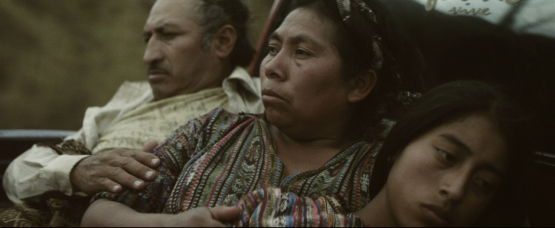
(217, 13)
(354, 43)
(456, 100)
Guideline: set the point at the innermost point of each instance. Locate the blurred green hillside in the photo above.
(58, 57)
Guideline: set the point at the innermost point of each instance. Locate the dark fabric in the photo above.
(69, 147)
(54, 209)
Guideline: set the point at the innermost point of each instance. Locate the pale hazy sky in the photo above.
(536, 16)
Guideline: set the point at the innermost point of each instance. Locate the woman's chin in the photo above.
(276, 118)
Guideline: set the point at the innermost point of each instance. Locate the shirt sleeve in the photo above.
(41, 169)
(174, 153)
(38, 170)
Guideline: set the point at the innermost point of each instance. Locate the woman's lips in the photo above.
(268, 96)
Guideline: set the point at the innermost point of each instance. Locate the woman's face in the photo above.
(448, 176)
(301, 77)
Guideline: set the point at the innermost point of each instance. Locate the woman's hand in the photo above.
(204, 217)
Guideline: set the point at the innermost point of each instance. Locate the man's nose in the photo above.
(153, 51)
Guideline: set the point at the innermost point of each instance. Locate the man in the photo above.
(194, 50)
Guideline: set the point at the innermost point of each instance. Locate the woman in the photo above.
(460, 156)
(326, 86)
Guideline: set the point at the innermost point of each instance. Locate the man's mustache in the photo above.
(157, 70)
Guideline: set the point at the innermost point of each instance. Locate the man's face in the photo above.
(177, 63)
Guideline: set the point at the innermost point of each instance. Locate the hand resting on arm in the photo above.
(109, 171)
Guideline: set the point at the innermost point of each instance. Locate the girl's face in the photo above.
(448, 176)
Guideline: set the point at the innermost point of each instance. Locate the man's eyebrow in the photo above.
(453, 139)
(167, 26)
(161, 28)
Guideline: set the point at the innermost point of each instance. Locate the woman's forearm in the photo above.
(109, 213)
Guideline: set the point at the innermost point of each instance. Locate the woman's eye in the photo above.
(301, 52)
(447, 156)
(272, 50)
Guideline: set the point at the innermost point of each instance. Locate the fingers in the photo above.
(118, 175)
(109, 185)
(133, 167)
(151, 144)
(112, 170)
(145, 158)
(225, 213)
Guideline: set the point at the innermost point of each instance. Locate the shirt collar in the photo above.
(245, 80)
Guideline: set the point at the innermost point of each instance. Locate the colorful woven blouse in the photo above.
(220, 157)
(270, 207)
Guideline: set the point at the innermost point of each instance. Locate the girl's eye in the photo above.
(484, 185)
(446, 155)
(482, 182)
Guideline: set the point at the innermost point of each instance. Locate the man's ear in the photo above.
(224, 41)
(362, 85)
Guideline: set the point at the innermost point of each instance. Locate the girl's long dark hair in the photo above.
(456, 100)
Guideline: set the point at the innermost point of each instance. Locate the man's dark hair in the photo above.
(454, 101)
(217, 13)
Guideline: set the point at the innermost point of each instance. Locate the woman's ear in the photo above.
(223, 41)
(362, 85)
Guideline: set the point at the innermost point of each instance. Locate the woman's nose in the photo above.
(273, 67)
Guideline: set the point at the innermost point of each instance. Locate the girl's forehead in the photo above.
(477, 136)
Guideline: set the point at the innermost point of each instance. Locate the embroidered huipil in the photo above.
(271, 207)
(218, 158)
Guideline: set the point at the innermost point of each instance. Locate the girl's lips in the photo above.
(436, 215)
